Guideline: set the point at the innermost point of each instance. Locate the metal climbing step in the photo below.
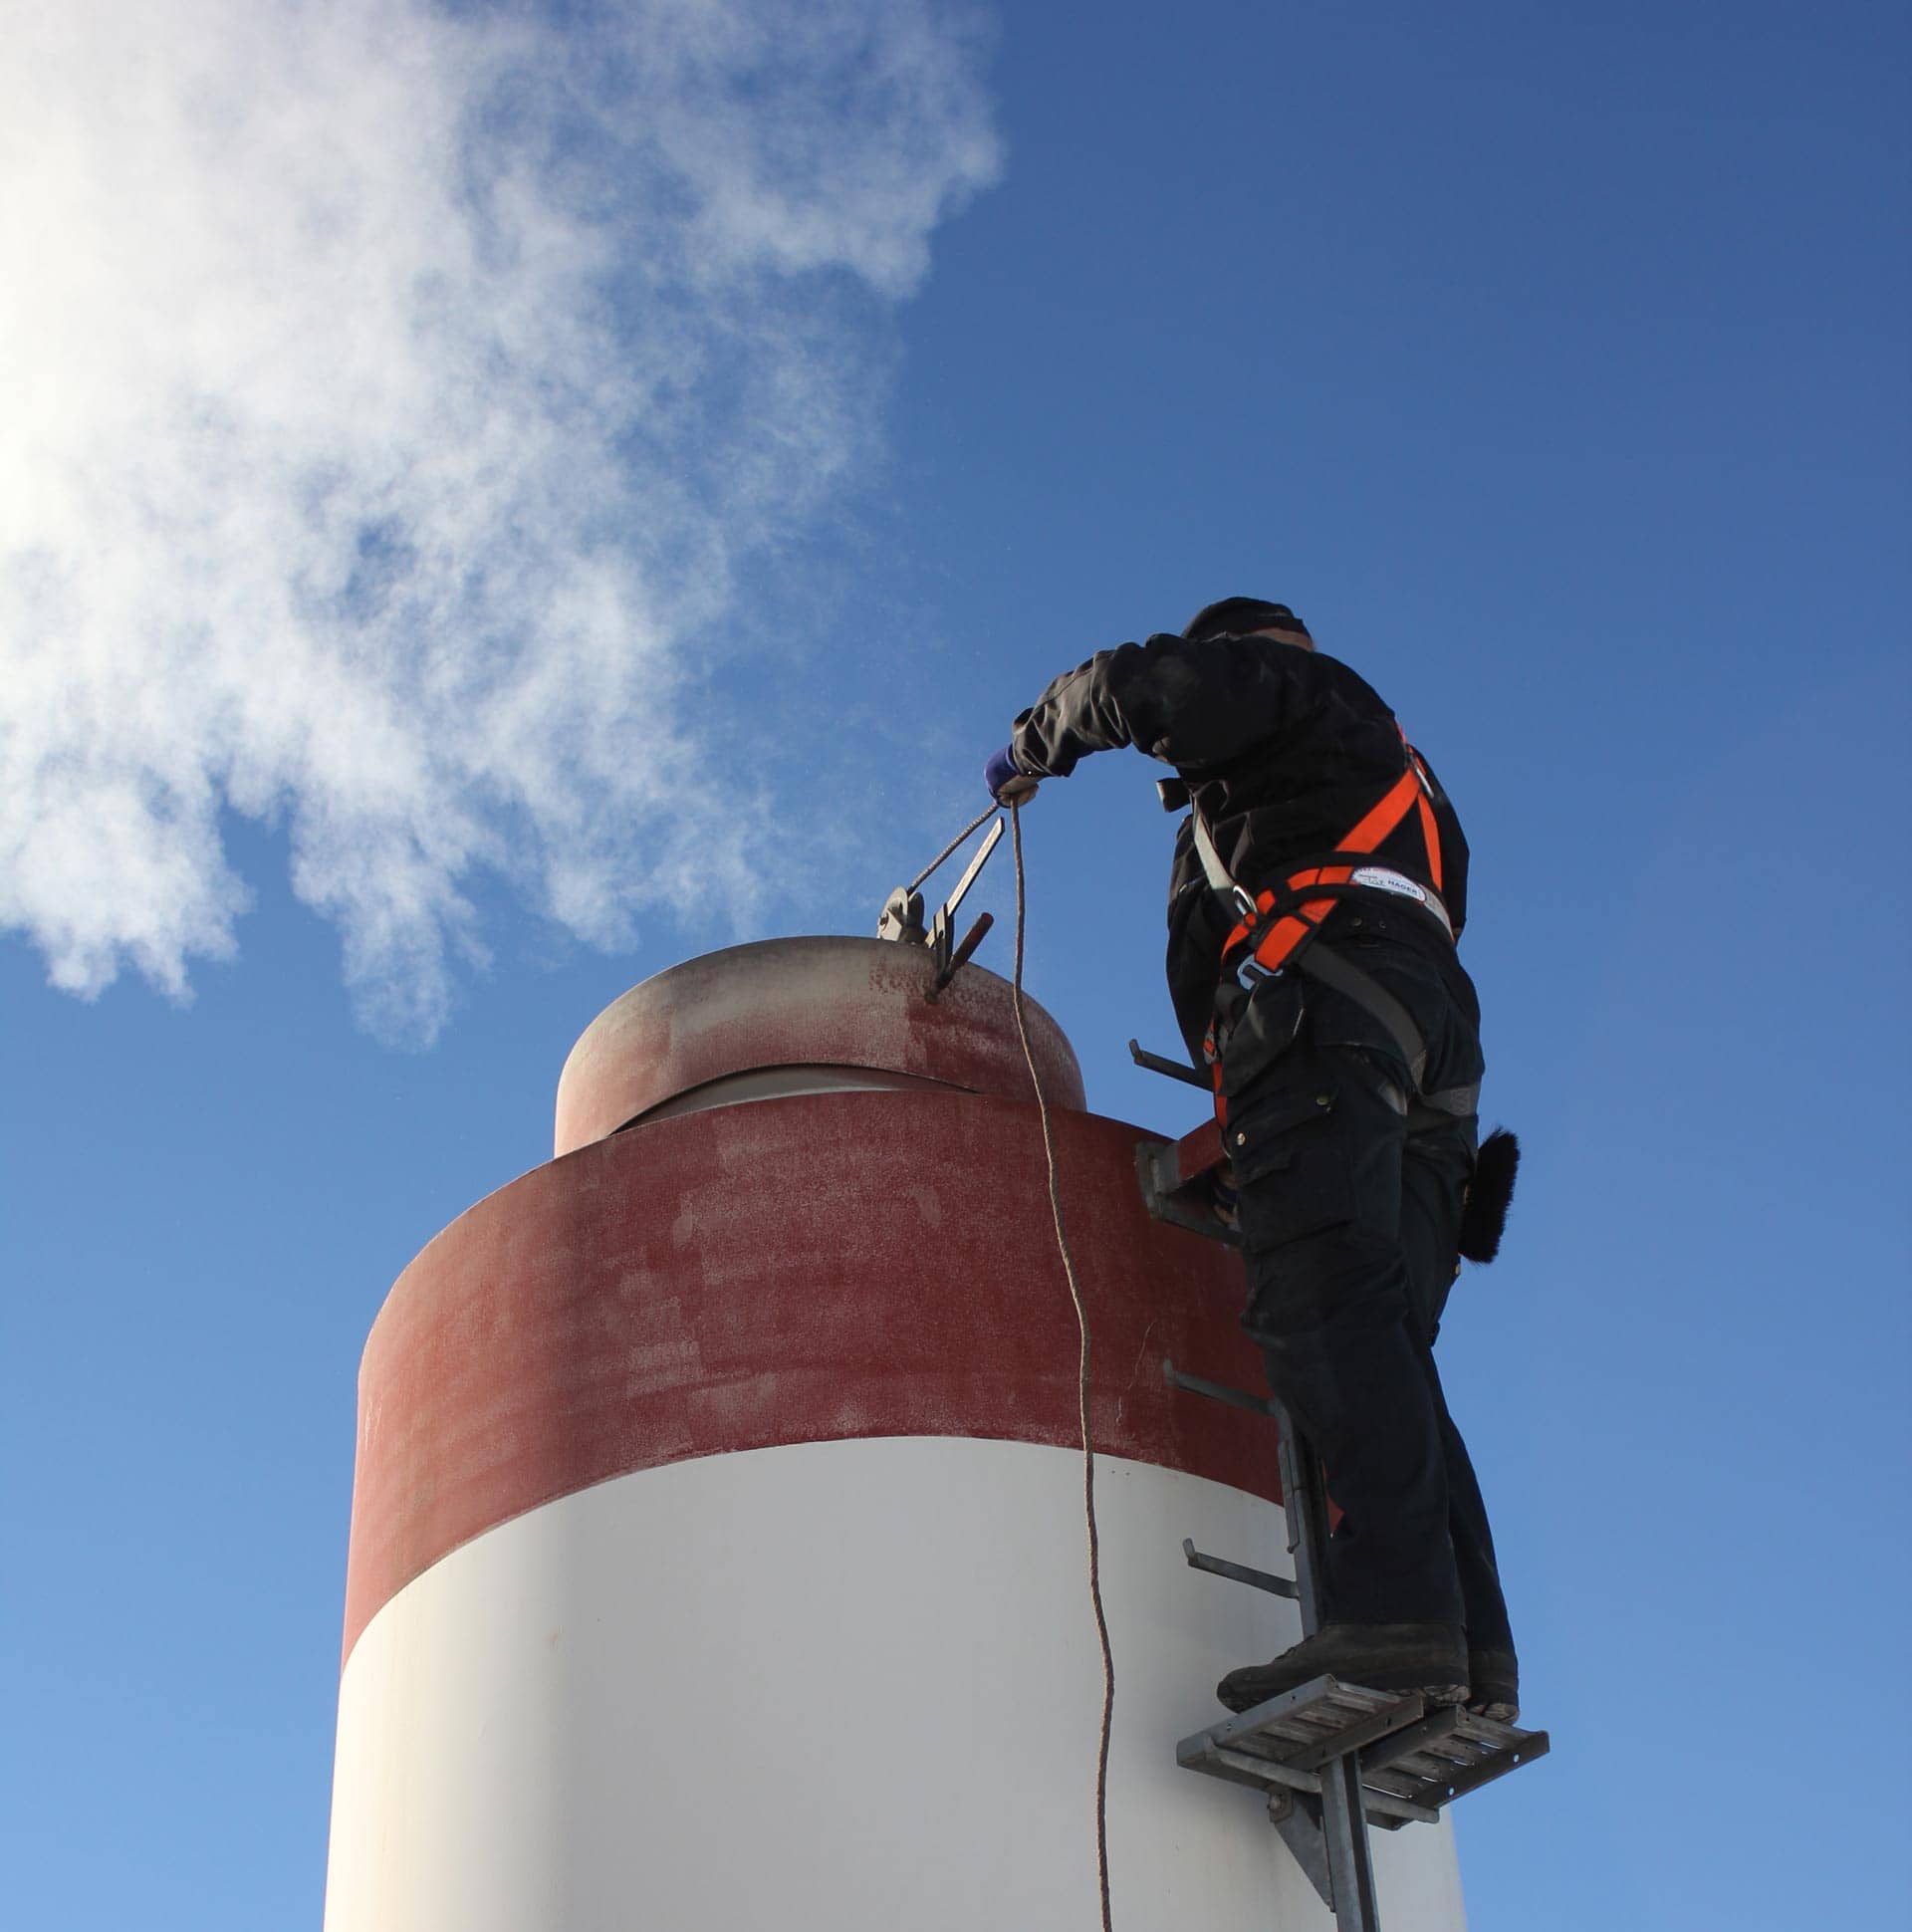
(1447, 1755)
(1412, 1761)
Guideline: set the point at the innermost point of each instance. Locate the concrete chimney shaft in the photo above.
(717, 1551)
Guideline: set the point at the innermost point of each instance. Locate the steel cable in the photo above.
(1082, 1373)
(981, 818)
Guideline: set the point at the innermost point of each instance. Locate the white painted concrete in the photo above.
(850, 1685)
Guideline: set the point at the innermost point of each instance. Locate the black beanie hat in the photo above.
(1236, 616)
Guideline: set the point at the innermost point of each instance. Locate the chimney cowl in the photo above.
(785, 1015)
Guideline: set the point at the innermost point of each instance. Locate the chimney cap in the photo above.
(832, 1001)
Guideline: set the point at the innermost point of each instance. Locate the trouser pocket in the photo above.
(1255, 1030)
(1285, 1149)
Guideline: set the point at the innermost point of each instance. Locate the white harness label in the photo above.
(1388, 880)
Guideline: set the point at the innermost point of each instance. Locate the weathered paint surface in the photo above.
(717, 1551)
(849, 1684)
(832, 1265)
(790, 1002)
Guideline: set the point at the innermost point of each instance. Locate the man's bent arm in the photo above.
(1193, 706)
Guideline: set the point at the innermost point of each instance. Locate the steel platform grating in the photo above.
(1413, 1760)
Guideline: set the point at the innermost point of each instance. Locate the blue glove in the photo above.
(1007, 781)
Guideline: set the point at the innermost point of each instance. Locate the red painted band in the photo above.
(785, 1271)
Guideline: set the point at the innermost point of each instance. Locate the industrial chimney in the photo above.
(717, 1538)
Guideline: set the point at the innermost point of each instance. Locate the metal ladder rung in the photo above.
(1236, 1398)
(1237, 1573)
(1263, 1772)
(1417, 1740)
(1357, 1736)
(1463, 1763)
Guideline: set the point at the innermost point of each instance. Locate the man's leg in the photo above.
(1434, 1179)
(1318, 1142)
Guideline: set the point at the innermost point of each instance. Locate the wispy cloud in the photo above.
(387, 393)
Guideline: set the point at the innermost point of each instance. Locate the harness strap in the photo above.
(1277, 925)
(1219, 875)
(1323, 963)
(1277, 933)
(1430, 832)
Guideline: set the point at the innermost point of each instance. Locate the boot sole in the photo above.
(1497, 1685)
(1435, 1689)
(1444, 1693)
(1433, 1694)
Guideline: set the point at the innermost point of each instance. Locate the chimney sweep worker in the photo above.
(1320, 882)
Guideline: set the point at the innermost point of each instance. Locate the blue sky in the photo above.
(755, 424)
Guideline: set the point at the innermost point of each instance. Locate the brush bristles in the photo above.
(1489, 1195)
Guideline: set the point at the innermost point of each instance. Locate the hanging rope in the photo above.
(981, 818)
(1082, 1373)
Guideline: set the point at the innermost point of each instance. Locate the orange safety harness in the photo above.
(1277, 925)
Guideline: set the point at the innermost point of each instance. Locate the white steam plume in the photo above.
(387, 395)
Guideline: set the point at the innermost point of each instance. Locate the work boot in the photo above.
(1494, 1685)
(1427, 1657)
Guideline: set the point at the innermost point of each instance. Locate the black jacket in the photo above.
(1283, 749)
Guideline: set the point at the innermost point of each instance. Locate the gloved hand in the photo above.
(1008, 782)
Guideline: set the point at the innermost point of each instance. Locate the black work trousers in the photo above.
(1350, 1197)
